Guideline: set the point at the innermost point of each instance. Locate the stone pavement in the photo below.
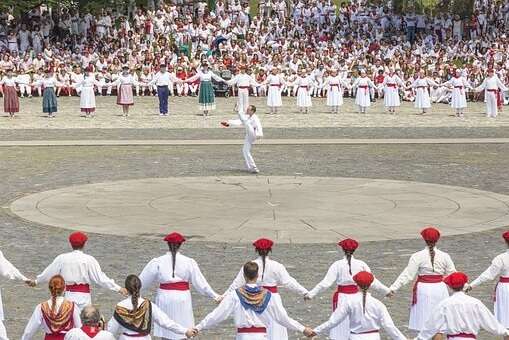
(31, 246)
(185, 114)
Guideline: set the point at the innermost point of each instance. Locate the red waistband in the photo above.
(364, 87)
(492, 90)
(391, 85)
(78, 288)
(458, 87)
(174, 285)
(348, 289)
(54, 336)
(337, 85)
(252, 330)
(304, 87)
(503, 279)
(278, 85)
(430, 278)
(272, 289)
(244, 87)
(135, 335)
(462, 335)
(368, 332)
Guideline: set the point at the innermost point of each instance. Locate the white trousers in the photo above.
(25, 89)
(182, 89)
(3, 331)
(243, 100)
(491, 104)
(246, 151)
(80, 299)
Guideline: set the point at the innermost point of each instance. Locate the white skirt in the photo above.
(369, 336)
(334, 96)
(80, 299)
(303, 97)
(342, 330)
(428, 296)
(391, 97)
(178, 306)
(362, 97)
(251, 336)
(87, 97)
(422, 100)
(274, 97)
(458, 99)
(502, 304)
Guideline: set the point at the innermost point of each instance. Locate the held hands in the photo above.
(307, 297)
(191, 333)
(390, 294)
(219, 299)
(467, 288)
(225, 124)
(309, 332)
(31, 283)
(123, 292)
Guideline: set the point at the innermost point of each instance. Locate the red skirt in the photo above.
(125, 95)
(11, 100)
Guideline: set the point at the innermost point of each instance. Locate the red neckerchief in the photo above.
(91, 331)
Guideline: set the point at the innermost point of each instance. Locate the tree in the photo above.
(20, 7)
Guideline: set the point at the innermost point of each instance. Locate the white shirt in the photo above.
(339, 273)
(499, 267)
(242, 80)
(77, 267)
(8, 81)
(204, 76)
(275, 275)
(492, 83)
(420, 264)
(364, 81)
(37, 320)
(252, 124)
(163, 79)
(159, 270)
(8, 270)
(78, 334)
(461, 313)
(247, 317)
(375, 317)
(158, 316)
(47, 82)
(125, 80)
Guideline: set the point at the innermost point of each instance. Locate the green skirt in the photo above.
(206, 96)
(49, 100)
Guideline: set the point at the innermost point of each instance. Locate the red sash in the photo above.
(252, 330)
(244, 87)
(277, 85)
(391, 85)
(304, 87)
(500, 280)
(334, 85)
(365, 87)
(78, 288)
(346, 289)
(174, 286)
(134, 335)
(424, 279)
(55, 336)
(462, 335)
(272, 289)
(91, 331)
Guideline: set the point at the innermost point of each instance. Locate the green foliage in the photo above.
(20, 7)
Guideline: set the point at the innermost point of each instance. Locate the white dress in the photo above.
(363, 86)
(304, 91)
(275, 84)
(339, 273)
(422, 99)
(491, 86)
(87, 95)
(459, 97)
(274, 276)
(391, 86)
(177, 304)
(428, 294)
(335, 88)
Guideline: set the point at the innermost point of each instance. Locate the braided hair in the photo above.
(348, 255)
(431, 247)
(56, 287)
(174, 247)
(364, 296)
(133, 286)
(263, 254)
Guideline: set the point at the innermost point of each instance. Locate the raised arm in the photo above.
(489, 274)
(100, 278)
(8, 270)
(288, 281)
(407, 275)
(335, 319)
(200, 283)
(50, 271)
(218, 315)
(238, 282)
(326, 282)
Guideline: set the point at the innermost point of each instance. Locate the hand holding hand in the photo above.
(309, 332)
(467, 288)
(390, 294)
(31, 283)
(307, 297)
(225, 124)
(191, 333)
(219, 299)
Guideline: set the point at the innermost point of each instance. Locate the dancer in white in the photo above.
(364, 314)
(391, 85)
(335, 86)
(87, 93)
(460, 316)
(134, 316)
(10, 272)
(458, 86)
(243, 81)
(363, 86)
(421, 87)
(430, 265)
(271, 276)
(341, 272)
(492, 87)
(253, 309)
(254, 131)
(175, 273)
(304, 83)
(275, 83)
(499, 268)
(124, 84)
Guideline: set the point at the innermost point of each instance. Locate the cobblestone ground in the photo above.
(185, 114)
(31, 247)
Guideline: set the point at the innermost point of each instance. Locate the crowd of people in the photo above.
(296, 48)
(253, 297)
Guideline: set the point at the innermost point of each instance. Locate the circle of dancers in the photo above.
(440, 307)
(303, 85)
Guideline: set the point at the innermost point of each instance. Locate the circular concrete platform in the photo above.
(287, 209)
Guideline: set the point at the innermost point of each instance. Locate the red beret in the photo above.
(364, 279)
(175, 238)
(456, 280)
(506, 236)
(348, 244)
(263, 244)
(430, 234)
(78, 239)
